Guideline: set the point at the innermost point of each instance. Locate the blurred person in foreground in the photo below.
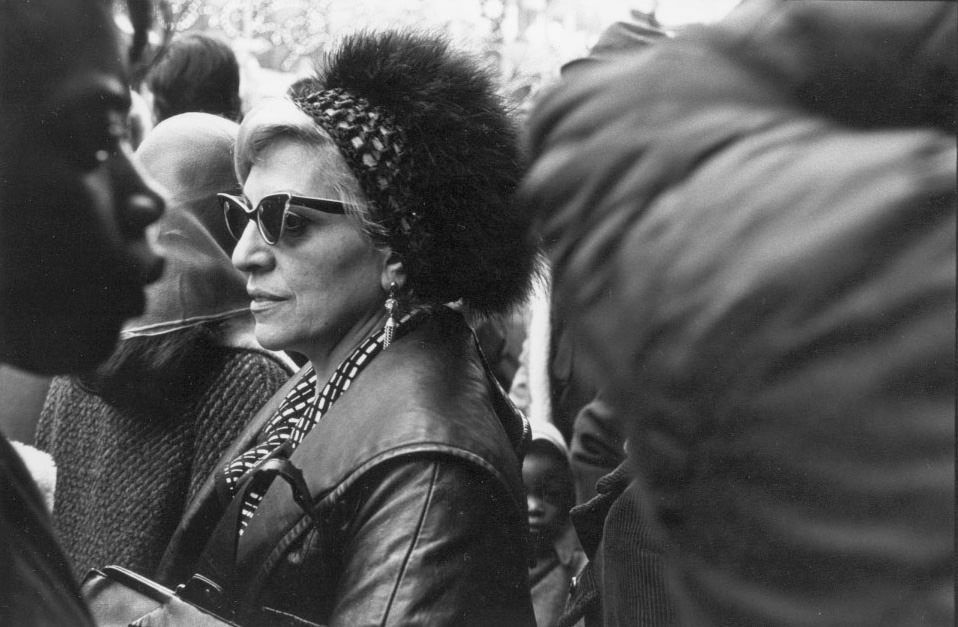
(134, 439)
(376, 194)
(549, 384)
(195, 72)
(753, 236)
(623, 582)
(73, 255)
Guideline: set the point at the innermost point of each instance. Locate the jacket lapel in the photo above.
(445, 408)
(449, 413)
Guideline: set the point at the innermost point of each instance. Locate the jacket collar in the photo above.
(445, 407)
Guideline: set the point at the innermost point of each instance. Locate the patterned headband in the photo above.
(374, 148)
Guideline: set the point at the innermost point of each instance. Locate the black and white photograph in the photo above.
(478, 313)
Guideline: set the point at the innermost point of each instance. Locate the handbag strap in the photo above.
(212, 586)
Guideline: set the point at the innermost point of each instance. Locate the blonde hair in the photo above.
(279, 118)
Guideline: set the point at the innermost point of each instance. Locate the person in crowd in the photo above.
(550, 495)
(195, 72)
(73, 254)
(376, 194)
(548, 385)
(624, 581)
(134, 439)
(752, 233)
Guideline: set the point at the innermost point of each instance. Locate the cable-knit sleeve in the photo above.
(247, 380)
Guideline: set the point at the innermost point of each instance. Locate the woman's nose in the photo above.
(251, 253)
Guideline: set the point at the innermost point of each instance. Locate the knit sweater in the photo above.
(124, 479)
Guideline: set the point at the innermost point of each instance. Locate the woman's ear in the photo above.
(393, 271)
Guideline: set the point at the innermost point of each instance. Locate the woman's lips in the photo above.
(259, 306)
(262, 301)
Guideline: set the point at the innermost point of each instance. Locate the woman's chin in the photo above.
(271, 338)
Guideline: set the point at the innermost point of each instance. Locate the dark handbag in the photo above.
(119, 597)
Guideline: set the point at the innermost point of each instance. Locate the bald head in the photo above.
(191, 156)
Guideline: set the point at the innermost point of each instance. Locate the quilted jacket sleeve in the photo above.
(767, 280)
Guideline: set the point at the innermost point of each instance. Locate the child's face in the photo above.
(547, 493)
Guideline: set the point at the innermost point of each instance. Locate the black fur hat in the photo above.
(437, 154)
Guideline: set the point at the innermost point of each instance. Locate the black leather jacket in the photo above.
(416, 484)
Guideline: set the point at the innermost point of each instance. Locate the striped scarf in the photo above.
(300, 411)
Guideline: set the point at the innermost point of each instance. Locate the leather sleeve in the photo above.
(432, 542)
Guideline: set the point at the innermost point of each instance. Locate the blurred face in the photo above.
(73, 207)
(319, 290)
(547, 494)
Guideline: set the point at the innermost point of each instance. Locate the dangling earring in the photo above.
(390, 327)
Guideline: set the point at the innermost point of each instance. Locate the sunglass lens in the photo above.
(271, 210)
(236, 218)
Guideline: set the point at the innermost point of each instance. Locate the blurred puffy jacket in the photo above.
(754, 241)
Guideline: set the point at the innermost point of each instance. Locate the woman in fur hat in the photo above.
(383, 484)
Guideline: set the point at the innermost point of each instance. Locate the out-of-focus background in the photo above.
(526, 41)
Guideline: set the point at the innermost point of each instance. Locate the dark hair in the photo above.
(448, 210)
(196, 72)
(157, 376)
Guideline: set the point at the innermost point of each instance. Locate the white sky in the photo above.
(676, 12)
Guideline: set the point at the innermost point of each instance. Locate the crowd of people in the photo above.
(677, 347)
